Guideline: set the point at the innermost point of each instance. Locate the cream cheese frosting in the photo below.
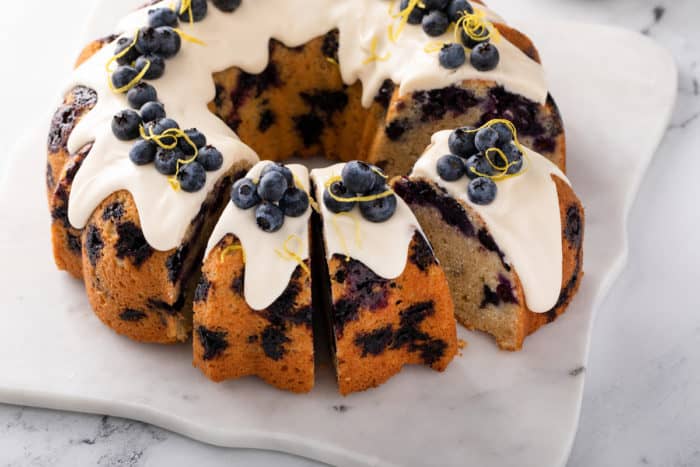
(268, 269)
(241, 39)
(524, 220)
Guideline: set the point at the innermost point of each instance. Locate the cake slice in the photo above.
(506, 225)
(386, 297)
(252, 311)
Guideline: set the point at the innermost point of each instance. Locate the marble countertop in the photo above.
(642, 397)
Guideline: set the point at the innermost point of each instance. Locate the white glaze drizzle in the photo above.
(241, 39)
(267, 274)
(382, 247)
(524, 220)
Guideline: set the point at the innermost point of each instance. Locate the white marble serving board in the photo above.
(616, 90)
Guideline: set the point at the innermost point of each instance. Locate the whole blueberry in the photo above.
(276, 167)
(340, 191)
(123, 75)
(470, 42)
(164, 124)
(169, 42)
(196, 12)
(477, 166)
(210, 158)
(166, 160)
(122, 44)
(379, 179)
(245, 194)
(486, 138)
(192, 177)
(160, 17)
(482, 191)
(485, 57)
(435, 23)
(436, 4)
(451, 168)
(272, 186)
(147, 41)
(295, 202)
(156, 69)
(452, 56)
(141, 94)
(458, 8)
(197, 137)
(505, 135)
(514, 156)
(358, 177)
(461, 142)
(125, 125)
(227, 6)
(143, 152)
(416, 15)
(269, 217)
(380, 209)
(152, 111)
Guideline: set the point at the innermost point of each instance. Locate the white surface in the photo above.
(642, 395)
(459, 417)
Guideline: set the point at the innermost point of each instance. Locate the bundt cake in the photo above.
(506, 225)
(385, 298)
(252, 308)
(160, 120)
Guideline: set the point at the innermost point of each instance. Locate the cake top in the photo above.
(177, 48)
(513, 191)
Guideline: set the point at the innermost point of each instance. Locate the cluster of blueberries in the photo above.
(274, 196)
(361, 180)
(469, 149)
(435, 18)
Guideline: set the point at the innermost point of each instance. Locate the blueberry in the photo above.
(451, 168)
(152, 111)
(470, 42)
(143, 153)
(141, 94)
(162, 17)
(196, 12)
(147, 41)
(227, 6)
(169, 42)
(123, 76)
(276, 167)
(358, 177)
(482, 191)
(379, 179)
(272, 186)
(210, 158)
(514, 156)
(125, 125)
(436, 4)
(380, 209)
(197, 138)
(192, 177)
(164, 124)
(461, 142)
(416, 15)
(435, 23)
(458, 8)
(486, 138)
(156, 68)
(477, 166)
(339, 190)
(269, 217)
(485, 57)
(166, 160)
(505, 136)
(295, 202)
(452, 56)
(122, 44)
(245, 194)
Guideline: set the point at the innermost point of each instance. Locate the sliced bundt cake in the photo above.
(506, 226)
(252, 312)
(386, 297)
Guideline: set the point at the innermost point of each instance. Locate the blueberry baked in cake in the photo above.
(164, 119)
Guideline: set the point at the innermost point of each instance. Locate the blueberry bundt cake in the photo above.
(506, 225)
(252, 310)
(386, 297)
